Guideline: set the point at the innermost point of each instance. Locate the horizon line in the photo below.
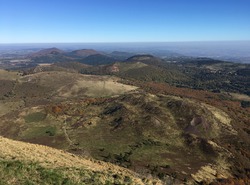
(125, 42)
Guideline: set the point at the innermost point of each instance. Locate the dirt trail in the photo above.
(65, 133)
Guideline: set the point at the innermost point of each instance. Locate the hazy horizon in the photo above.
(237, 51)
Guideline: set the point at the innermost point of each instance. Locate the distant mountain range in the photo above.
(86, 56)
(235, 51)
(91, 56)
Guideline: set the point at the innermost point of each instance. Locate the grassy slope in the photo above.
(23, 163)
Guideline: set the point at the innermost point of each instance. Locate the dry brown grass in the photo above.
(6, 107)
(237, 96)
(209, 173)
(66, 84)
(52, 158)
(94, 86)
(8, 75)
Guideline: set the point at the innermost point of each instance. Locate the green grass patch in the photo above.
(151, 154)
(40, 132)
(35, 117)
(17, 172)
(24, 173)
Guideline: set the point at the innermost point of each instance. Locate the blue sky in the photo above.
(43, 21)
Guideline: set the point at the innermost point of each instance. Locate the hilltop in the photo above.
(49, 51)
(83, 52)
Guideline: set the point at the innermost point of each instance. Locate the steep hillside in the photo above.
(23, 163)
(146, 72)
